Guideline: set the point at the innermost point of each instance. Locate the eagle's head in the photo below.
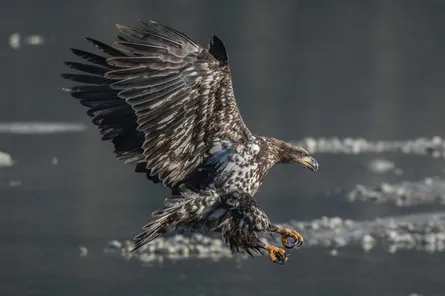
(294, 154)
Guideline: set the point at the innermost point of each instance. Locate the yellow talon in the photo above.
(277, 255)
(287, 233)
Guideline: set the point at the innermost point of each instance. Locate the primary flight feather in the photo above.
(168, 106)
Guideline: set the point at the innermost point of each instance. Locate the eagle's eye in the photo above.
(308, 161)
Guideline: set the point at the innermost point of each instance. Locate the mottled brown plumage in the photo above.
(236, 215)
(168, 106)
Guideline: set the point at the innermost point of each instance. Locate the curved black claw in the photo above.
(299, 244)
(293, 243)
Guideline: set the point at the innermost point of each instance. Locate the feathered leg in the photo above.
(246, 239)
(245, 219)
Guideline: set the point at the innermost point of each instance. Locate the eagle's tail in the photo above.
(181, 212)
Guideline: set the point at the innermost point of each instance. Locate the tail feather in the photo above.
(179, 214)
(174, 201)
(163, 213)
(147, 237)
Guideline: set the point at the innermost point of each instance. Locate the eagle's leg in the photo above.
(296, 238)
(277, 255)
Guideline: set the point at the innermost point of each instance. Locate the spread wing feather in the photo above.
(115, 119)
(161, 98)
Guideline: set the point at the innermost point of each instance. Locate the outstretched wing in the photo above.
(161, 98)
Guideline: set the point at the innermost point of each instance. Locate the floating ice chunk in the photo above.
(5, 160)
(40, 127)
(16, 40)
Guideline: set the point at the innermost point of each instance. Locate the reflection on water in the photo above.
(301, 69)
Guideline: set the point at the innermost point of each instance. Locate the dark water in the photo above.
(372, 69)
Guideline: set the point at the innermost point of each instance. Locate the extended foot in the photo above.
(277, 255)
(296, 240)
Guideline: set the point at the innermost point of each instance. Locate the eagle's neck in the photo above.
(272, 152)
(279, 151)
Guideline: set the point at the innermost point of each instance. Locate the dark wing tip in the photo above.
(217, 49)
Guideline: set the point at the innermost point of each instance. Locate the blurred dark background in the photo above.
(372, 69)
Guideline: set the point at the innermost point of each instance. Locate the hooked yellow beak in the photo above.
(309, 162)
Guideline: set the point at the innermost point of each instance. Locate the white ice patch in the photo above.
(434, 146)
(5, 160)
(40, 127)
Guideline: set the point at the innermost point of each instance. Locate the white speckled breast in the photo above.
(244, 173)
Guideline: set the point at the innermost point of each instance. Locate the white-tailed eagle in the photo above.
(168, 106)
